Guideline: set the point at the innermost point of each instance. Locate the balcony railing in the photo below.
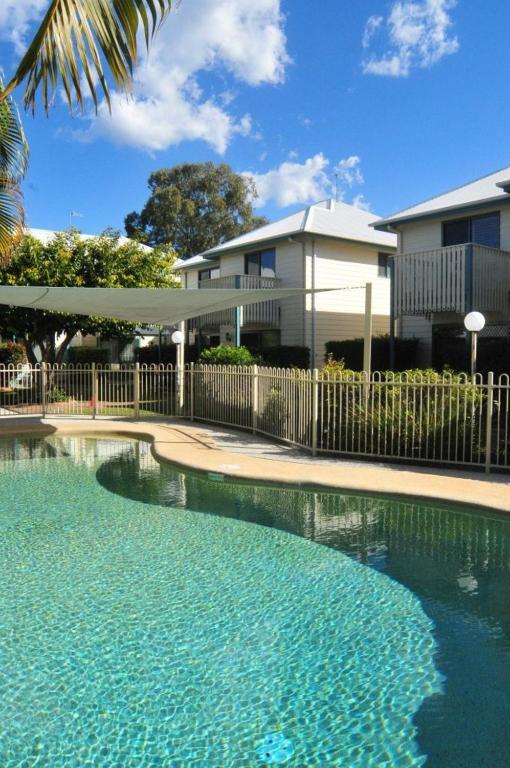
(265, 314)
(457, 278)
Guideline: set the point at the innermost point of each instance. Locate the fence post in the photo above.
(43, 389)
(255, 399)
(136, 391)
(191, 390)
(315, 409)
(488, 430)
(93, 372)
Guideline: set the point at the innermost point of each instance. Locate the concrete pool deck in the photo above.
(237, 454)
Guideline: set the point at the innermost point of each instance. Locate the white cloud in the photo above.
(293, 183)
(418, 35)
(16, 16)
(348, 171)
(371, 27)
(239, 38)
(360, 202)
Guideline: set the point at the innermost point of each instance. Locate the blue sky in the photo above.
(402, 99)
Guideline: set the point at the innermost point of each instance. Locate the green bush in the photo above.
(224, 355)
(351, 351)
(12, 353)
(286, 357)
(87, 355)
(56, 395)
(398, 416)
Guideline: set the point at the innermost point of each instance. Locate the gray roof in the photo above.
(325, 219)
(482, 191)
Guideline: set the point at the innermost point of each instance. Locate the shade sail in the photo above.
(147, 306)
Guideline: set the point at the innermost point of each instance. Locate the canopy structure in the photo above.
(146, 306)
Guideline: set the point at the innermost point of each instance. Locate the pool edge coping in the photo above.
(192, 447)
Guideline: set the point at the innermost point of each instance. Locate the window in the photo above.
(208, 274)
(383, 265)
(483, 230)
(262, 263)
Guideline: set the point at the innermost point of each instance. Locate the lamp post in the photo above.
(474, 322)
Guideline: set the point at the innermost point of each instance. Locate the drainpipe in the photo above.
(238, 315)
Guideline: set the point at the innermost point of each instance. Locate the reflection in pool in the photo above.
(177, 638)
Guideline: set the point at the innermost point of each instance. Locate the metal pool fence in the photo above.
(415, 417)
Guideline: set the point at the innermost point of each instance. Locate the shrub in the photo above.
(224, 355)
(56, 395)
(286, 357)
(399, 416)
(12, 353)
(351, 351)
(87, 355)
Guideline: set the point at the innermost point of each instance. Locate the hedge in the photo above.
(285, 357)
(12, 353)
(402, 417)
(351, 352)
(87, 355)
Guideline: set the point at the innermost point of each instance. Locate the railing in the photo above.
(423, 418)
(264, 314)
(457, 278)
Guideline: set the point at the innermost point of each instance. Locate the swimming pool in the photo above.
(145, 620)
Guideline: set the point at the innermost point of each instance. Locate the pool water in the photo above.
(147, 620)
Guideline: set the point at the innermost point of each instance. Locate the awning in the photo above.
(147, 306)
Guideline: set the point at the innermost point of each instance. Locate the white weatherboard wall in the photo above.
(427, 235)
(338, 264)
(341, 315)
(419, 236)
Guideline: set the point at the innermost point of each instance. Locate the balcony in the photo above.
(265, 314)
(457, 278)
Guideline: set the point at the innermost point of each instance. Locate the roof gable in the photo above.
(325, 219)
(484, 190)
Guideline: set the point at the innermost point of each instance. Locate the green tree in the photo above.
(78, 43)
(195, 206)
(71, 261)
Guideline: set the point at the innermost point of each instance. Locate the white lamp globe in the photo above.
(474, 322)
(177, 337)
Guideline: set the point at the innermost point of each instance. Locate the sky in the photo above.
(388, 100)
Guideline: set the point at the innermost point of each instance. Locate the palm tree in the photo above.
(78, 43)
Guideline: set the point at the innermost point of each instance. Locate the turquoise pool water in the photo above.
(145, 620)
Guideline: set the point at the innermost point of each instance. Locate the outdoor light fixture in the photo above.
(474, 322)
(177, 337)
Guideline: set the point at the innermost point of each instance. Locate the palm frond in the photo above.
(78, 40)
(13, 165)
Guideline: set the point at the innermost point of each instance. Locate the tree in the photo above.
(69, 260)
(195, 206)
(74, 42)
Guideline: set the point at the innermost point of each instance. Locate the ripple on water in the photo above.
(140, 635)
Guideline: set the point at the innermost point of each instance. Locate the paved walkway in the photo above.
(237, 454)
